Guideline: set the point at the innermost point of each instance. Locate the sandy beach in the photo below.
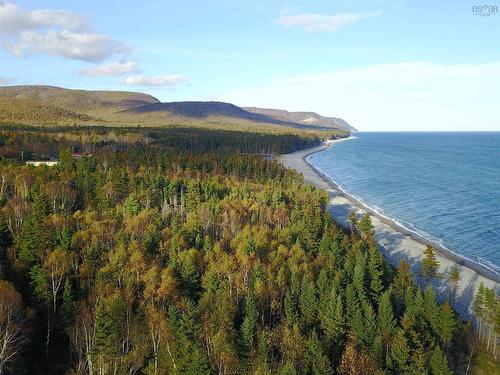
(394, 241)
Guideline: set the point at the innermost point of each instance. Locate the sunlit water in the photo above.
(445, 186)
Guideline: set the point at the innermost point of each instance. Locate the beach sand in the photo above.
(395, 242)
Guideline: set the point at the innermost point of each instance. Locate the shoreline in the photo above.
(395, 241)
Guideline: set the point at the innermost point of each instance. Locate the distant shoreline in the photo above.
(395, 241)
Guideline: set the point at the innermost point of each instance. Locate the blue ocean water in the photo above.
(444, 186)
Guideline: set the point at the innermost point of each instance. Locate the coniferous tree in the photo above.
(365, 225)
(399, 355)
(318, 362)
(248, 327)
(438, 363)
(375, 273)
(430, 265)
(454, 278)
(307, 302)
(359, 279)
(385, 319)
(105, 335)
(352, 302)
(403, 280)
(290, 309)
(332, 320)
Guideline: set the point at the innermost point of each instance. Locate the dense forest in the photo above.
(151, 257)
(25, 143)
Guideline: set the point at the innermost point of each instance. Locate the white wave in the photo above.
(407, 226)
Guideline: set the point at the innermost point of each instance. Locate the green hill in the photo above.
(47, 105)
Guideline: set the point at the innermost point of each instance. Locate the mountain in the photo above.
(205, 110)
(304, 118)
(96, 104)
(48, 105)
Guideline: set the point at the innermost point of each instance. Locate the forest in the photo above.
(155, 253)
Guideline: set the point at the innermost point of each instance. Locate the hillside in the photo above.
(47, 105)
(304, 118)
(92, 103)
(213, 110)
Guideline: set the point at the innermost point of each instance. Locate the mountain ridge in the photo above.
(47, 105)
(303, 117)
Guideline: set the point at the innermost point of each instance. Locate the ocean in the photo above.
(443, 186)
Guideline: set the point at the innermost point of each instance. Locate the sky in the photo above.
(380, 65)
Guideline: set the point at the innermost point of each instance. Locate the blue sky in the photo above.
(381, 65)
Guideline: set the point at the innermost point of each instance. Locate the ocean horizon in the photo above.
(442, 186)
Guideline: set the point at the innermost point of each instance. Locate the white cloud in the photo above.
(54, 32)
(312, 22)
(402, 96)
(111, 69)
(155, 81)
(13, 19)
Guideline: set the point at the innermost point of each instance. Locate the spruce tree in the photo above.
(307, 302)
(385, 319)
(375, 273)
(68, 304)
(358, 327)
(352, 302)
(248, 328)
(399, 355)
(105, 336)
(365, 225)
(359, 278)
(287, 369)
(319, 363)
(445, 323)
(370, 324)
(454, 278)
(403, 281)
(332, 320)
(438, 363)
(430, 265)
(290, 309)
(131, 205)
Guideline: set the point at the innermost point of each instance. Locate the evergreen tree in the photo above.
(365, 225)
(307, 302)
(318, 361)
(375, 273)
(403, 281)
(370, 324)
(287, 369)
(359, 279)
(290, 309)
(358, 327)
(250, 247)
(332, 319)
(399, 355)
(105, 336)
(34, 237)
(445, 323)
(385, 319)
(68, 304)
(430, 265)
(248, 328)
(454, 278)
(438, 363)
(352, 302)
(378, 350)
(131, 206)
